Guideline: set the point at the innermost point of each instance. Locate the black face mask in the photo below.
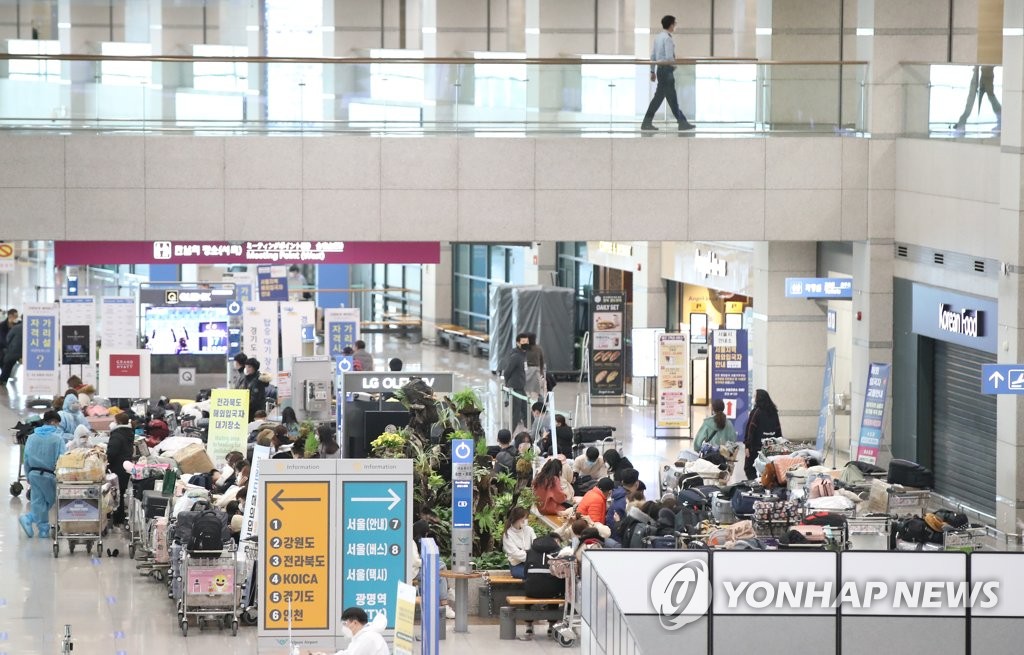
(524, 346)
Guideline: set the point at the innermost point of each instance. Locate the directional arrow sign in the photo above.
(1002, 379)
(277, 499)
(392, 498)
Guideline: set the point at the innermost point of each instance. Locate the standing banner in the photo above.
(296, 317)
(39, 350)
(229, 422)
(872, 421)
(405, 617)
(272, 281)
(125, 373)
(673, 408)
(826, 400)
(607, 364)
(260, 334)
(730, 375)
(341, 327)
(78, 330)
(117, 319)
(429, 578)
(253, 497)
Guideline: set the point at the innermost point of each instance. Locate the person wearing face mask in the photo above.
(514, 371)
(516, 540)
(589, 468)
(257, 386)
(71, 417)
(238, 371)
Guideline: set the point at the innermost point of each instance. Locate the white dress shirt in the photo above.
(664, 49)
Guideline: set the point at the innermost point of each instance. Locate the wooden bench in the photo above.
(478, 342)
(553, 521)
(525, 608)
(496, 592)
(448, 335)
(405, 328)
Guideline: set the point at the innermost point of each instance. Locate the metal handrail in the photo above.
(562, 61)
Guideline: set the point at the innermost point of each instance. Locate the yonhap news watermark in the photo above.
(682, 592)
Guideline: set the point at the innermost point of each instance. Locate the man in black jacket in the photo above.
(505, 459)
(514, 370)
(12, 355)
(121, 449)
(256, 385)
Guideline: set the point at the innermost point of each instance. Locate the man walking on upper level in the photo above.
(664, 74)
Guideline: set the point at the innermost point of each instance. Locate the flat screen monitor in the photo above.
(186, 330)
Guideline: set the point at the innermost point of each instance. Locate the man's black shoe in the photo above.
(686, 126)
(647, 127)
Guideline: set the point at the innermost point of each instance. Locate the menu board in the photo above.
(673, 408)
(607, 363)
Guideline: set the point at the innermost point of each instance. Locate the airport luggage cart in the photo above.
(249, 605)
(210, 588)
(903, 501)
(566, 631)
(965, 540)
(80, 516)
(869, 532)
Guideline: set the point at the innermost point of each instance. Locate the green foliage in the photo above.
(481, 448)
(460, 434)
(492, 560)
(311, 445)
(466, 399)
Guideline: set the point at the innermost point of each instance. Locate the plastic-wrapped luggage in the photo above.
(82, 465)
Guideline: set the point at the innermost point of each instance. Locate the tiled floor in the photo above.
(113, 610)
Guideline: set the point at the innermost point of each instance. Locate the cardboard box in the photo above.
(193, 459)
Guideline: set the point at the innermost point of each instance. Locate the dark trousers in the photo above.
(666, 90)
(519, 408)
(6, 369)
(748, 464)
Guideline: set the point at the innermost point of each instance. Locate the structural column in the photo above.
(1010, 417)
(787, 335)
(437, 292)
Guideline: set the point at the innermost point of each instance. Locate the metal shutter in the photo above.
(964, 434)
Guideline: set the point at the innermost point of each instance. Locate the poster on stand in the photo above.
(872, 421)
(341, 330)
(260, 334)
(673, 408)
(730, 375)
(296, 318)
(117, 316)
(826, 400)
(40, 368)
(607, 360)
(229, 422)
(78, 321)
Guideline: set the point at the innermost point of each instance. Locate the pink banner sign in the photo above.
(95, 253)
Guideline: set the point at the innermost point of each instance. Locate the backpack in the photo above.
(666, 542)
(821, 487)
(640, 534)
(207, 534)
(956, 519)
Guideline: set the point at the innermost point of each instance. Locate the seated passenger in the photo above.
(717, 429)
(595, 502)
(547, 488)
(539, 581)
(516, 541)
(616, 464)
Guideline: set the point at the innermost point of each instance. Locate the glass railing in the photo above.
(953, 100)
(395, 95)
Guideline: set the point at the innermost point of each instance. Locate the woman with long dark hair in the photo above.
(717, 429)
(762, 424)
(329, 448)
(517, 539)
(547, 488)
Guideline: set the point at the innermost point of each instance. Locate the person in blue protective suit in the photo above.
(44, 446)
(71, 417)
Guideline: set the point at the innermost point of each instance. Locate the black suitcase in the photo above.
(155, 504)
(592, 433)
(909, 474)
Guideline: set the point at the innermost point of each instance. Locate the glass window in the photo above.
(479, 263)
(498, 268)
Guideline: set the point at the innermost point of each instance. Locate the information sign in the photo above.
(118, 325)
(341, 330)
(374, 542)
(272, 282)
(39, 350)
(835, 288)
(260, 334)
(673, 408)
(730, 376)
(873, 419)
(607, 363)
(297, 559)
(229, 422)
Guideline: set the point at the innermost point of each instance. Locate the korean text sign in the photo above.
(229, 422)
(872, 421)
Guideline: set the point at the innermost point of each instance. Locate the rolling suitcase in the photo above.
(592, 433)
(721, 509)
(909, 474)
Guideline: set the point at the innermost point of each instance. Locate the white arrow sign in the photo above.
(996, 378)
(392, 498)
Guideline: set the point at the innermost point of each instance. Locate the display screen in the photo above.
(178, 330)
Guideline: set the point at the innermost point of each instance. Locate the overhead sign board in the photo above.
(834, 288)
(377, 382)
(957, 318)
(1002, 379)
(86, 253)
(272, 282)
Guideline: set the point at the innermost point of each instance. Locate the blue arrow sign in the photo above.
(1002, 379)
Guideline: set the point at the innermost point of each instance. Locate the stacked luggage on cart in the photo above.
(86, 495)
